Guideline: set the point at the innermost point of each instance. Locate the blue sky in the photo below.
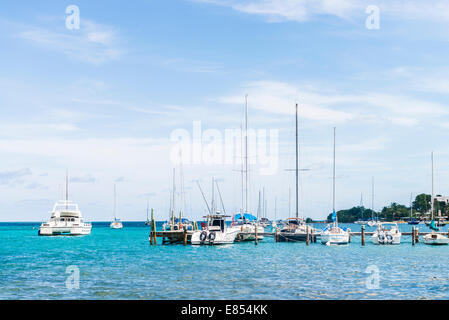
(102, 101)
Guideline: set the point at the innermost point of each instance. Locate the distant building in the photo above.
(442, 199)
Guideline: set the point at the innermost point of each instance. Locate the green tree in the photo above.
(422, 203)
(352, 215)
(394, 212)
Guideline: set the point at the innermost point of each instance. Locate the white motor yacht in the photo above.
(387, 233)
(66, 219)
(216, 232)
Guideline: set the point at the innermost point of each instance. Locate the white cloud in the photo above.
(304, 10)
(92, 43)
(279, 97)
(335, 107)
(291, 10)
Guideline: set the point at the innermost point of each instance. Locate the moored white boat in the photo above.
(247, 226)
(387, 233)
(216, 232)
(116, 223)
(333, 234)
(66, 219)
(434, 238)
(296, 229)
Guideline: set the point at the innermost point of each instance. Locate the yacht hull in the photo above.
(64, 231)
(334, 239)
(435, 241)
(220, 238)
(295, 237)
(395, 240)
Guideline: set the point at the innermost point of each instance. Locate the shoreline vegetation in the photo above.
(420, 210)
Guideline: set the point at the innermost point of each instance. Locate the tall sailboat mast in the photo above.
(333, 186)
(181, 178)
(246, 153)
(173, 196)
(213, 196)
(372, 198)
(67, 189)
(148, 208)
(297, 163)
(431, 198)
(242, 169)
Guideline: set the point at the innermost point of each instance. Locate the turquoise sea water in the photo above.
(121, 264)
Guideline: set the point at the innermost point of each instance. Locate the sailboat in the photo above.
(116, 223)
(296, 229)
(180, 223)
(412, 221)
(333, 234)
(244, 220)
(362, 220)
(373, 221)
(148, 222)
(434, 238)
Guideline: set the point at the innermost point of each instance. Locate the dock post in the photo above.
(417, 235)
(308, 236)
(363, 235)
(185, 236)
(276, 235)
(349, 233)
(255, 238)
(153, 227)
(413, 236)
(311, 233)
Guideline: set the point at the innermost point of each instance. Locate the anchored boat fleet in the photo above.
(66, 218)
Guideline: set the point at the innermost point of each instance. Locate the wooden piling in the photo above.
(413, 236)
(416, 235)
(153, 227)
(255, 238)
(185, 236)
(308, 236)
(363, 235)
(349, 233)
